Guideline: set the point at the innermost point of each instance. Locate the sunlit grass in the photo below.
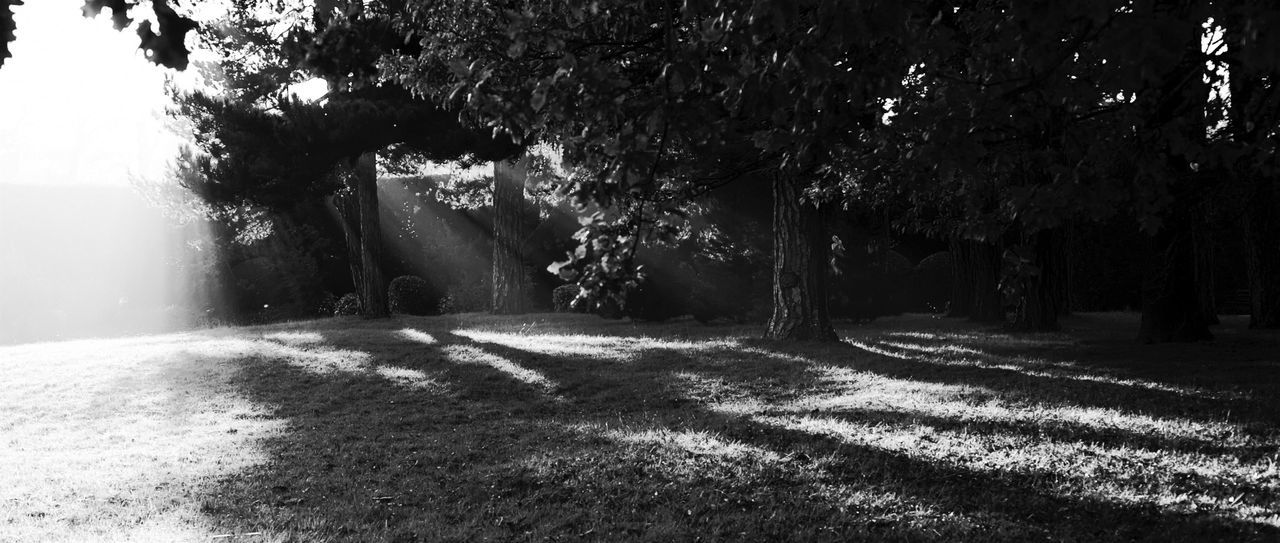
(569, 427)
(466, 354)
(599, 347)
(116, 440)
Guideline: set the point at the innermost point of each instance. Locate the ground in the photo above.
(555, 427)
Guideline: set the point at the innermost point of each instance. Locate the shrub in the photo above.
(409, 294)
(328, 304)
(348, 304)
(562, 298)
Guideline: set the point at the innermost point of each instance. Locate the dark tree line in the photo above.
(1005, 128)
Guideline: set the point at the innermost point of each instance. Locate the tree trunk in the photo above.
(800, 257)
(984, 271)
(1262, 254)
(1040, 305)
(509, 294)
(1064, 241)
(975, 291)
(373, 290)
(1258, 221)
(1171, 297)
(961, 303)
(349, 218)
(1172, 294)
(1204, 250)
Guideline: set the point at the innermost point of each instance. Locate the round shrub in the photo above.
(562, 297)
(409, 294)
(348, 304)
(936, 263)
(328, 304)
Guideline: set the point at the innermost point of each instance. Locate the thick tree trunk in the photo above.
(975, 291)
(1064, 240)
(1040, 306)
(1262, 254)
(1171, 297)
(800, 255)
(984, 271)
(1204, 257)
(961, 303)
(510, 294)
(349, 218)
(1172, 293)
(1259, 223)
(373, 290)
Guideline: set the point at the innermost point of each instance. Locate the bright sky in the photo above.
(78, 102)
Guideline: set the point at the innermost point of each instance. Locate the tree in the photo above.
(1254, 106)
(1020, 119)
(272, 158)
(345, 132)
(637, 93)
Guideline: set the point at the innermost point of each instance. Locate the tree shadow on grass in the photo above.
(1240, 362)
(459, 439)
(1039, 380)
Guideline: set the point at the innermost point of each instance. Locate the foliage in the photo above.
(563, 296)
(348, 304)
(653, 103)
(250, 154)
(411, 295)
(602, 263)
(257, 143)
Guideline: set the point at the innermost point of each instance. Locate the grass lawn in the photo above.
(555, 427)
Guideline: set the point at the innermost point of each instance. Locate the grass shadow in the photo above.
(437, 435)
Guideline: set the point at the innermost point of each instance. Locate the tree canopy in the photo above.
(993, 124)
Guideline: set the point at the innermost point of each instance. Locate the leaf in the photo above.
(516, 50)
(539, 97)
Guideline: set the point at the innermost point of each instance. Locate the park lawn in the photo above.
(569, 427)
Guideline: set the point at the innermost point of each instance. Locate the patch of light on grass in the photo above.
(1034, 340)
(465, 354)
(784, 357)
(418, 336)
(697, 443)
(322, 361)
(934, 349)
(873, 349)
(613, 348)
(1182, 482)
(954, 355)
(701, 455)
(295, 338)
(319, 360)
(868, 391)
(109, 440)
(963, 429)
(408, 377)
